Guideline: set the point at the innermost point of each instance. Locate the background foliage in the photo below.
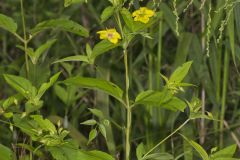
(204, 32)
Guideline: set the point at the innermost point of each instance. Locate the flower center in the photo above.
(110, 35)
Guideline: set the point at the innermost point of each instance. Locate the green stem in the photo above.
(129, 109)
(25, 38)
(157, 145)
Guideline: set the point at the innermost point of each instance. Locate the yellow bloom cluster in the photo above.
(110, 34)
(143, 14)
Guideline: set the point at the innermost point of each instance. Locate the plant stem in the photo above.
(203, 42)
(129, 110)
(25, 39)
(157, 145)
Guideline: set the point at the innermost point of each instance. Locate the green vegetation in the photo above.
(119, 80)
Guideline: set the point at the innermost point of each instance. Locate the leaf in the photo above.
(159, 156)
(42, 49)
(180, 73)
(97, 113)
(8, 23)
(89, 122)
(102, 130)
(94, 155)
(197, 147)
(45, 124)
(61, 24)
(97, 84)
(127, 17)
(153, 98)
(45, 86)
(13, 100)
(67, 151)
(101, 48)
(175, 104)
(107, 13)
(140, 151)
(21, 85)
(6, 153)
(80, 58)
(70, 2)
(227, 152)
(92, 135)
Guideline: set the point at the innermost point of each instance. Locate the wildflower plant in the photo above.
(54, 137)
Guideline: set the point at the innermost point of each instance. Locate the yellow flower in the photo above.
(110, 34)
(143, 14)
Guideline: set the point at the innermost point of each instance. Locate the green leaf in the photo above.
(107, 13)
(101, 48)
(102, 130)
(13, 100)
(180, 73)
(175, 104)
(6, 153)
(92, 83)
(94, 155)
(21, 85)
(61, 24)
(78, 58)
(45, 124)
(67, 151)
(8, 115)
(92, 135)
(159, 156)
(128, 19)
(8, 23)
(197, 147)
(89, 122)
(97, 113)
(227, 152)
(153, 98)
(42, 49)
(140, 151)
(70, 2)
(45, 86)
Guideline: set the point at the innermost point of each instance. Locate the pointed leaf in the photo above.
(92, 135)
(92, 83)
(103, 131)
(8, 23)
(61, 24)
(21, 85)
(80, 58)
(180, 73)
(89, 122)
(101, 48)
(227, 152)
(153, 98)
(197, 147)
(46, 86)
(42, 49)
(107, 13)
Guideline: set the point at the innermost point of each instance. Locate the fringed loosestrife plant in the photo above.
(42, 139)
